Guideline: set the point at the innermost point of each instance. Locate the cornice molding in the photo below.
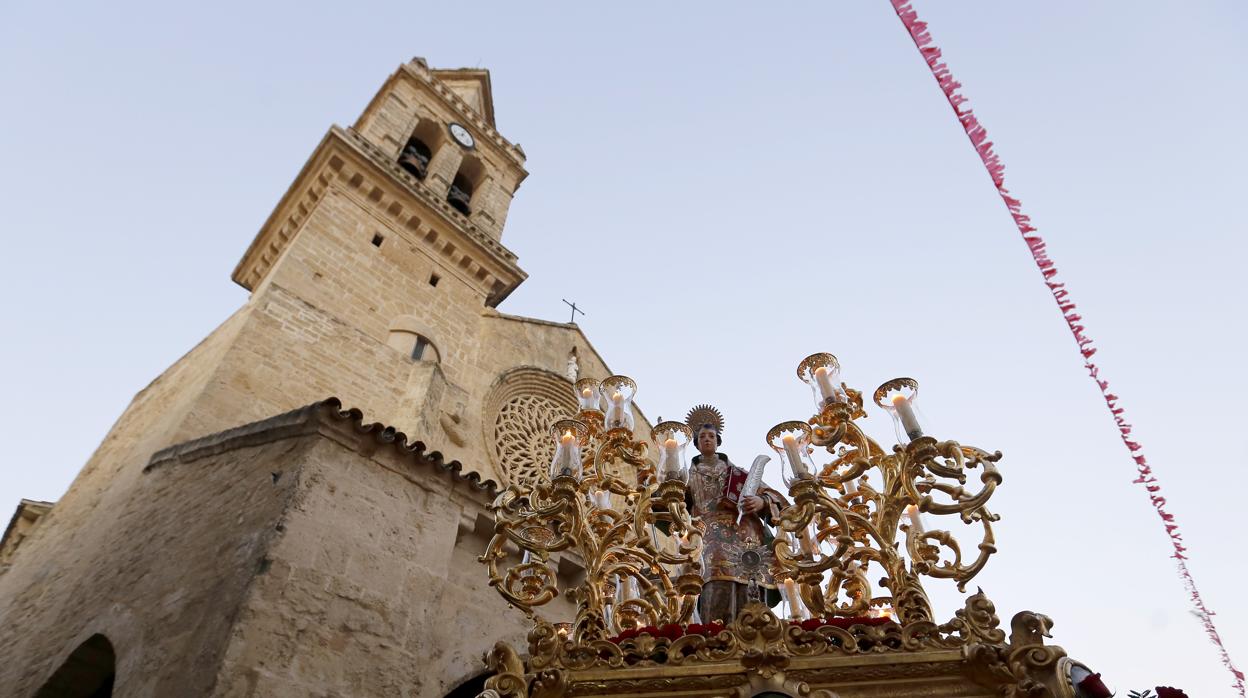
(327, 418)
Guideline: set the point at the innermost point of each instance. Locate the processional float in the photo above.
(855, 519)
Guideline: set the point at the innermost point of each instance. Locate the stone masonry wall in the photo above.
(161, 577)
(373, 587)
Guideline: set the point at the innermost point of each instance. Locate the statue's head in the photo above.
(708, 438)
(707, 425)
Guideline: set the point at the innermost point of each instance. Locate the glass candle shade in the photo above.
(671, 439)
(822, 372)
(568, 434)
(897, 397)
(588, 396)
(791, 441)
(619, 392)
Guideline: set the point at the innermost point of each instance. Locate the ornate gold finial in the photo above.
(705, 414)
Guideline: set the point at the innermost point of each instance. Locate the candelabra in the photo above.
(591, 508)
(849, 513)
(606, 502)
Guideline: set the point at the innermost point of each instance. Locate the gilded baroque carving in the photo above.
(634, 608)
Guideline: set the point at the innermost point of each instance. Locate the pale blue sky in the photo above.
(772, 181)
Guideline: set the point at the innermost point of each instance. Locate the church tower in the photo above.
(239, 533)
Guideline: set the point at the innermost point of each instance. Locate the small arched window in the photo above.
(412, 337)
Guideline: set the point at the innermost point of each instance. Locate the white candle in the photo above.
(916, 522)
(851, 489)
(615, 413)
(528, 557)
(567, 445)
(587, 393)
(630, 589)
(807, 543)
(790, 590)
(671, 450)
(826, 389)
(794, 455)
(587, 399)
(602, 499)
(909, 422)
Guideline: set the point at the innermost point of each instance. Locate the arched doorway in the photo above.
(470, 688)
(88, 672)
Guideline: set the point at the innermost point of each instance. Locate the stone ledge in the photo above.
(326, 417)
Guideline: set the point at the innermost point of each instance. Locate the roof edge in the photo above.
(311, 419)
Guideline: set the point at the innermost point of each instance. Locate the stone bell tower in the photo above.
(240, 533)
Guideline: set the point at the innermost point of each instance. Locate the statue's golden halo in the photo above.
(705, 414)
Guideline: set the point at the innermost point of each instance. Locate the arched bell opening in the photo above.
(460, 194)
(88, 672)
(469, 176)
(419, 149)
(415, 158)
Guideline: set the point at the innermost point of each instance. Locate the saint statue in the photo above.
(732, 551)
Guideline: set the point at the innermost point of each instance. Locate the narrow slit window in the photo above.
(418, 351)
(377, 239)
(434, 279)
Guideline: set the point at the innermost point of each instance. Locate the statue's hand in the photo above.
(753, 505)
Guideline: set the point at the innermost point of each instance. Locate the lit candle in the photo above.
(567, 444)
(587, 393)
(916, 522)
(826, 389)
(670, 448)
(615, 414)
(630, 589)
(795, 456)
(905, 412)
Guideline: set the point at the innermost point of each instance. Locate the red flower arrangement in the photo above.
(670, 631)
(1093, 687)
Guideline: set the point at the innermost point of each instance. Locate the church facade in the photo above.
(295, 507)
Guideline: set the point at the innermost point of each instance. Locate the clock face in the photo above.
(461, 136)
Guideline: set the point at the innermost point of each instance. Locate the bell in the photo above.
(458, 199)
(414, 162)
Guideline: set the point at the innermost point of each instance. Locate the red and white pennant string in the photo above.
(979, 138)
